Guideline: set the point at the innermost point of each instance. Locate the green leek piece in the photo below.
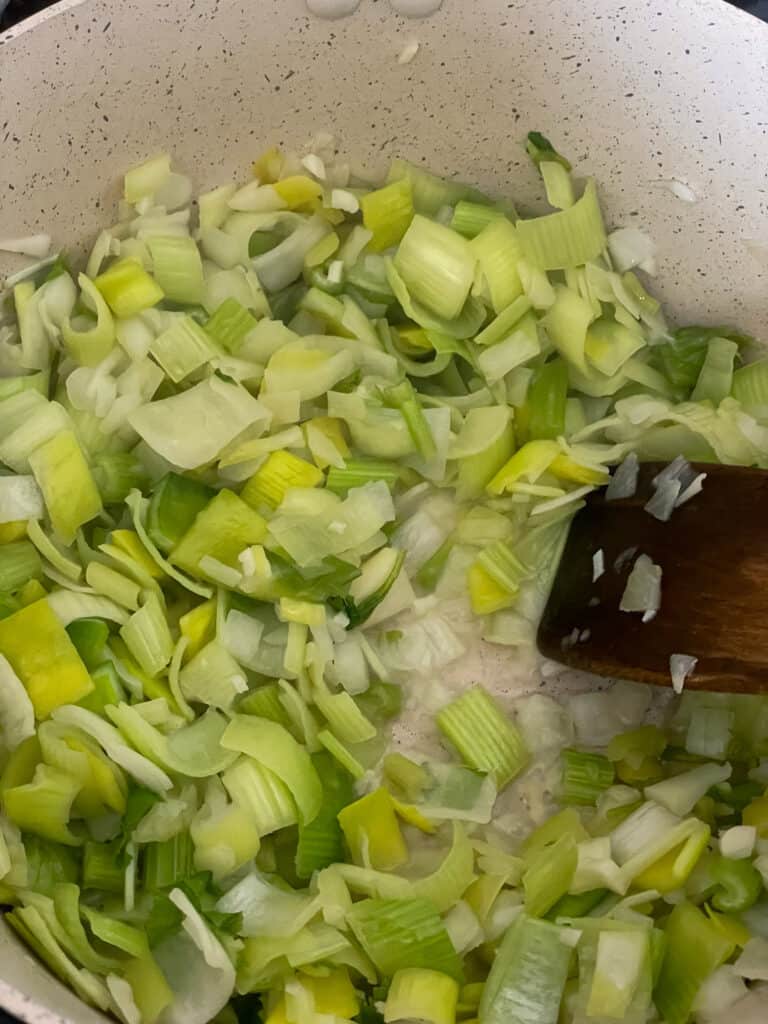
(750, 384)
(128, 288)
(609, 345)
(505, 323)
(277, 474)
(557, 184)
(485, 739)
(113, 585)
(173, 507)
(387, 214)
(343, 757)
(116, 474)
(44, 658)
(682, 358)
(569, 238)
(437, 267)
(90, 639)
(410, 778)
(547, 397)
(540, 150)
(527, 979)
(502, 565)
(151, 992)
(372, 831)
(715, 380)
(168, 863)
(273, 747)
(320, 842)
(70, 492)
(634, 745)
(114, 932)
(422, 994)
(102, 867)
(564, 823)
(549, 875)
(89, 342)
(403, 397)
(430, 192)
(19, 562)
(576, 906)
(486, 442)
(262, 794)
(182, 348)
(738, 884)
(33, 929)
(177, 268)
(498, 253)
(695, 948)
(432, 570)
(566, 323)
(585, 777)
(147, 636)
(358, 472)
(265, 703)
(44, 805)
(398, 934)
(147, 178)
(469, 219)
(230, 325)
(224, 528)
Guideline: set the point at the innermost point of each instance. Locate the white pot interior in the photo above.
(637, 94)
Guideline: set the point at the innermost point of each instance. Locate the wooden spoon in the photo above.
(714, 589)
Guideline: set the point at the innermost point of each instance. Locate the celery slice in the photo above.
(486, 740)
(527, 979)
(404, 933)
(695, 947)
(568, 238)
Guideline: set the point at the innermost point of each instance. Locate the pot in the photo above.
(664, 103)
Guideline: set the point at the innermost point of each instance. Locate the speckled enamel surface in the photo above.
(636, 93)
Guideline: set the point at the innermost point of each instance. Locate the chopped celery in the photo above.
(528, 975)
(695, 947)
(585, 776)
(486, 740)
(565, 239)
(546, 400)
(404, 933)
(229, 325)
(437, 266)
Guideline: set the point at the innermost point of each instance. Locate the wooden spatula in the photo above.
(714, 587)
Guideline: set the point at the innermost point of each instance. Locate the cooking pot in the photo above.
(666, 104)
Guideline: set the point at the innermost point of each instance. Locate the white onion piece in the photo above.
(332, 9)
(408, 52)
(738, 843)
(753, 962)
(664, 501)
(416, 8)
(680, 667)
(695, 487)
(623, 483)
(643, 590)
(598, 565)
(33, 245)
(631, 247)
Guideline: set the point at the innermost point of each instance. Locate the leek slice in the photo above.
(566, 239)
